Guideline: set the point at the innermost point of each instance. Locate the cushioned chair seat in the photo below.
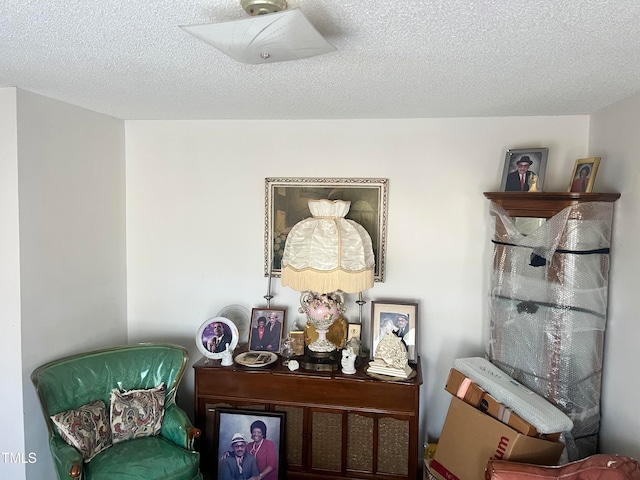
(152, 458)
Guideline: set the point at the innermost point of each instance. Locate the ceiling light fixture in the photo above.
(273, 34)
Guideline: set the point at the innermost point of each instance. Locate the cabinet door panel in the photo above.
(360, 441)
(393, 442)
(326, 441)
(294, 428)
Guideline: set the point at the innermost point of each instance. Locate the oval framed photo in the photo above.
(214, 335)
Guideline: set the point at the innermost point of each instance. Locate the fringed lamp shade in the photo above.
(327, 252)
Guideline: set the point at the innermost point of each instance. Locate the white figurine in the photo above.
(348, 361)
(227, 358)
(293, 365)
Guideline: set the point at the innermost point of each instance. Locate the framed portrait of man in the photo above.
(524, 170)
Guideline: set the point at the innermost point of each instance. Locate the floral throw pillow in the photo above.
(86, 428)
(137, 413)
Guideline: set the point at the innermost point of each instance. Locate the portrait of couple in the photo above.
(266, 329)
(249, 445)
(400, 319)
(398, 323)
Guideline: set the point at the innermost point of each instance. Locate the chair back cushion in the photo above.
(74, 381)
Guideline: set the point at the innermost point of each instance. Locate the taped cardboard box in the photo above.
(470, 438)
(462, 387)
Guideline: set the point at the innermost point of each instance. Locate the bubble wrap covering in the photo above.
(546, 323)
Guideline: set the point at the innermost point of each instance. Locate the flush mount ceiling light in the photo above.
(272, 34)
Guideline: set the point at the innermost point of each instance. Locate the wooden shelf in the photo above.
(544, 204)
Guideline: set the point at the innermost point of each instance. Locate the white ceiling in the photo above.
(395, 59)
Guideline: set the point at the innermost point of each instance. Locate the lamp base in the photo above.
(321, 361)
(322, 345)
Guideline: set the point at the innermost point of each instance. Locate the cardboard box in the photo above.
(470, 438)
(426, 471)
(462, 387)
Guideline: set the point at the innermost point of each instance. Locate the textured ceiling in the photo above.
(394, 59)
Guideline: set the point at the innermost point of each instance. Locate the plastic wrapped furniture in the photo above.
(78, 380)
(596, 467)
(547, 311)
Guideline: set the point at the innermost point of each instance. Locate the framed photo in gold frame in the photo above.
(584, 174)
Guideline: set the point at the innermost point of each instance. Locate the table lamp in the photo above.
(325, 256)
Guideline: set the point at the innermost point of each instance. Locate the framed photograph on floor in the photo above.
(524, 170)
(584, 174)
(398, 317)
(249, 440)
(267, 325)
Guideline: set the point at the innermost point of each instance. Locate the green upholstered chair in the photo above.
(78, 380)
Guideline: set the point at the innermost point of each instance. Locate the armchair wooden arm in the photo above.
(194, 433)
(75, 471)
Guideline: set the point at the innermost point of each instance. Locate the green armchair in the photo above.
(78, 380)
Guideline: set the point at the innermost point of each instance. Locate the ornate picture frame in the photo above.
(537, 160)
(240, 426)
(269, 337)
(584, 175)
(205, 337)
(286, 204)
(386, 317)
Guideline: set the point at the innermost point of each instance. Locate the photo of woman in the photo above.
(264, 450)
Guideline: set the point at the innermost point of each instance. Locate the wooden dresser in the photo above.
(337, 426)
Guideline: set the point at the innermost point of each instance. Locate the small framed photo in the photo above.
(247, 442)
(297, 341)
(354, 331)
(266, 329)
(398, 317)
(584, 174)
(214, 335)
(524, 170)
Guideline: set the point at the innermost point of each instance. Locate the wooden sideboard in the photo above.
(337, 426)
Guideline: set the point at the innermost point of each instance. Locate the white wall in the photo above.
(72, 243)
(195, 219)
(614, 137)
(12, 442)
